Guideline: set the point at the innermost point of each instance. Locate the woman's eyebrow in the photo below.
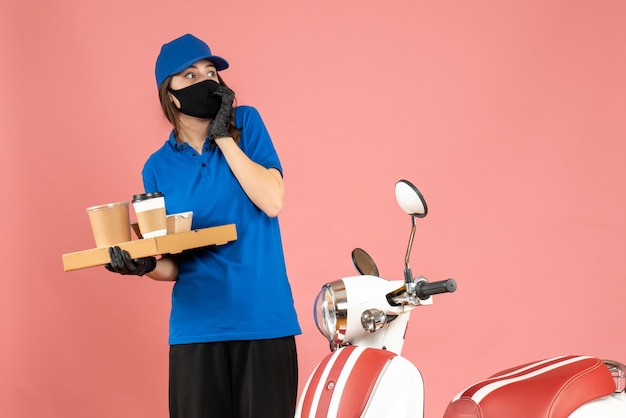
(198, 67)
(210, 65)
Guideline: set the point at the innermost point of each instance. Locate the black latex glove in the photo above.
(122, 263)
(219, 126)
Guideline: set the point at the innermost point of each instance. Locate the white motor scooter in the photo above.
(365, 319)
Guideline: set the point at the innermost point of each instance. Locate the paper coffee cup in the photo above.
(150, 212)
(110, 223)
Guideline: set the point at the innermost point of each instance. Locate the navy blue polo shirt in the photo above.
(237, 291)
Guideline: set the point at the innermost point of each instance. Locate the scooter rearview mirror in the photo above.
(410, 199)
(363, 263)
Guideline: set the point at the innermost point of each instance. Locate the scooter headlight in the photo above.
(330, 311)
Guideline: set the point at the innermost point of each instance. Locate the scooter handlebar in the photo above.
(424, 289)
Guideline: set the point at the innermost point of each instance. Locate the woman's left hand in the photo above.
(219, 125)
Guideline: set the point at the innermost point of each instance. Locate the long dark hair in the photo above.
(171, 112)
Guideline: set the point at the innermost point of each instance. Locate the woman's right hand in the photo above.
(122, 263)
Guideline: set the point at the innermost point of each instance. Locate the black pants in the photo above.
(234, 379)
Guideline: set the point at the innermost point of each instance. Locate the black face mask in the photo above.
(198, 99)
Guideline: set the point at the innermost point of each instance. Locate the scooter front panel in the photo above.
(349, 383)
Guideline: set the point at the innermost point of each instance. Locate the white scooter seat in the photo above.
(551, 388)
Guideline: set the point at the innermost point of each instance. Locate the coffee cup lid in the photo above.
(146, 196)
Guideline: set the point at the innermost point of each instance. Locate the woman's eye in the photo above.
(190, 75)
(211, 74)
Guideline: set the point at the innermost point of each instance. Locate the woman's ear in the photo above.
(173, 99)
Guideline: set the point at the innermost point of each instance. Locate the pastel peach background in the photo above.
(508, 115)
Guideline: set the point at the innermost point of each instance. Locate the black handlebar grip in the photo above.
(424, 290)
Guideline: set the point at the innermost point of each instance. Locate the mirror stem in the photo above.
(408, 275)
